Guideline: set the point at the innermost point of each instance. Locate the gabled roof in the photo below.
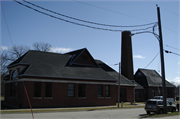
(48, 64)
(77, 57)
(151, 78)
(138, 86)
(113, 73)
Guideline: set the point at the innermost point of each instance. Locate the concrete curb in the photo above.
(68, 109)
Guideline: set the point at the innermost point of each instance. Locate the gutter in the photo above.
(69, 78)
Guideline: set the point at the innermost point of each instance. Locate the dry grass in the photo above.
(2, 98)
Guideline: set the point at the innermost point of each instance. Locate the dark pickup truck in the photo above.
(156, 105)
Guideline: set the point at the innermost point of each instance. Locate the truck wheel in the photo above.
(148, 112)
(160, 111)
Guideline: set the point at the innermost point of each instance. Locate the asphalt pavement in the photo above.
(125, 113)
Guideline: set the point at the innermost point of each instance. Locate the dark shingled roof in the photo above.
(138, 86)
(113, 73)
(153, 78)
(54, 65)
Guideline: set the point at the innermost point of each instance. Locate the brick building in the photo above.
(151, 85)
(63, 80)
(148, 82)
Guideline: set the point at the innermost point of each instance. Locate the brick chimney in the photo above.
(126, 56)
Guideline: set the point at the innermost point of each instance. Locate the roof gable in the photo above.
(150, 78)
(82, 57)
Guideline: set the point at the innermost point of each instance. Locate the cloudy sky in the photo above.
(21, 25)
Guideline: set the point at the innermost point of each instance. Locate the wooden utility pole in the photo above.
(162, 62)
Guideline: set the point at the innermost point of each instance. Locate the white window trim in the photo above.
(37, 97)
(48, 97)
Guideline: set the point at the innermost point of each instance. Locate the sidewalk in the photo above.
(125, 105)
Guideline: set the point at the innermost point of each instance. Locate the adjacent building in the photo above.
(151, 85)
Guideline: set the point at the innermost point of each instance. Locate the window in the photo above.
(81, 90)
(13, 89)
(48, 89)
(169, 94)
(139, 74)
(154, 93)
(123, 93)
(107, 91)
(70, 90)
(14, 75)
(100, 90)
(37, 89)
(138, 94)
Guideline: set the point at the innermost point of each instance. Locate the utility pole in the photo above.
(162, 62)
(119, 83)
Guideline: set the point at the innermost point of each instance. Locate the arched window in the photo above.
(14, 75)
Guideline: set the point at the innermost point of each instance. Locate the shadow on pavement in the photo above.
(145, 116)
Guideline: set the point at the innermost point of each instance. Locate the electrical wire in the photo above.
(163, 8)
(171, 52)
(152, 60)
(123, 14)
(111, 11)
(169, 11)
(86, 21)
(172, 47)
(7, 24)
(78, 23)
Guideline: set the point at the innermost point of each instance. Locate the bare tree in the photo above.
(4, 61)
(17, 51)
(3, 69)
(41, 46)
(6, 58)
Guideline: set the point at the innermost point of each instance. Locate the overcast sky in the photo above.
(23, 26)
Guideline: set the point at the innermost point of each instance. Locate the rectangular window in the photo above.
(81, 90)
(123, 93)
(107, 91)
(169, 93)
(154, 93)
(138, 94)
(37, 89)
(70, 90)
(48, 89)
(100, 90)
(13, 89)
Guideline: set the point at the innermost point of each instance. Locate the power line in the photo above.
(85, 20)
(7, 24)
(78, 23)
(167, 10)
(171, 52)
(123, 14)
(163, 8)
(111, 10)
(152, 59)
(172, 47)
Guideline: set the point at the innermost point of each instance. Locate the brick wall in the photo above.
(59, 96)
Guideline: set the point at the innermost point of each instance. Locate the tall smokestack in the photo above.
(126, 56)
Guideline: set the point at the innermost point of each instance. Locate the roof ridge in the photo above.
(46, 52)
(76, 51)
